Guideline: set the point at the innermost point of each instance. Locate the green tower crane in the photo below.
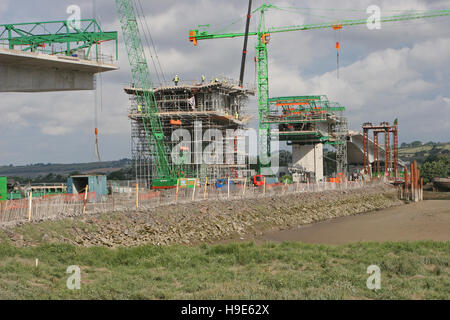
(263, 36)
(140, 73)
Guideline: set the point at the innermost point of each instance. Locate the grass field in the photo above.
(418, 270)
(422, 152)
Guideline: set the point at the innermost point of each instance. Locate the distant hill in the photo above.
(41, 169)
(420, 152)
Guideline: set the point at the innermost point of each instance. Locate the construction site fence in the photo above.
(71, 205)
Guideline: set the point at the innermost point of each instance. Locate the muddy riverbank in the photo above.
(427, 220)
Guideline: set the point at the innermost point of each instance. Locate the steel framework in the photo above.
(196, 109)
(309, 120)
(390, 162)
(37, 36)
(140, 73)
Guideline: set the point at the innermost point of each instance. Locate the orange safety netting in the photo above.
(150, 195)
(24, 203)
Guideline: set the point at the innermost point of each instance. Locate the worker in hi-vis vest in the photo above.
(203, 79)
(176, 80)
(139, 108)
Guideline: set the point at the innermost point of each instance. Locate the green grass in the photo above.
(418, 270)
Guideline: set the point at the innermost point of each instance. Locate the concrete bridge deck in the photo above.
(37, 72)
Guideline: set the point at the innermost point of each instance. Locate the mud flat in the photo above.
(427, 220)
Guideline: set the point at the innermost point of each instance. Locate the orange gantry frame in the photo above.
(391, 165)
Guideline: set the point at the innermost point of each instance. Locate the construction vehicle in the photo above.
(263, 35)
(259, 180)
(3, 189)
(13, 190)
(140, 72)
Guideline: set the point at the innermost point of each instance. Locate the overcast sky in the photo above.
(401, 71)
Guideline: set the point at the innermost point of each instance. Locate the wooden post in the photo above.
(137, 195)
(176, 193)
(205, 189)
(264, 192)
(245, 185)
(284, 187)
(85, 198)
(30, 205)
(112, 195)
(406, 184)
(413, 187)
(421, 189)
(416, 182)
(228, 185)
(298, 182)
(193, 191)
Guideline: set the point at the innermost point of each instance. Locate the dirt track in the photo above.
(427, 220)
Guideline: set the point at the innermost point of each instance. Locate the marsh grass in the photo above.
(413, 270)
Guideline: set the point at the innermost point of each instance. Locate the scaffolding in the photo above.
(209, 116)
(313, 120)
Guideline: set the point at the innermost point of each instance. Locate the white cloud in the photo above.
(54, 130)
(4, 6)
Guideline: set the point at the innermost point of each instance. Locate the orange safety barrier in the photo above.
(150, 195)
(175, 122)
(17, 204)
(78, 196)
(291, 104)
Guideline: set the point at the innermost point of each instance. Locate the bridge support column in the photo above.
(310, 157)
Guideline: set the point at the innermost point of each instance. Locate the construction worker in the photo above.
(176, 80)
(216, 80)
(236, 115)
(139, 108)
(203, 79)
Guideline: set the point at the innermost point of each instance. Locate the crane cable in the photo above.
(149, 44)
(153, 45)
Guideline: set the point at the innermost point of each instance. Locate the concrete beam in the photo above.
(38, 72)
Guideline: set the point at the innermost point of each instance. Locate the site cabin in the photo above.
(96, 183)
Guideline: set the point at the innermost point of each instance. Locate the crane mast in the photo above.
(140, 74)
(263, 36)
